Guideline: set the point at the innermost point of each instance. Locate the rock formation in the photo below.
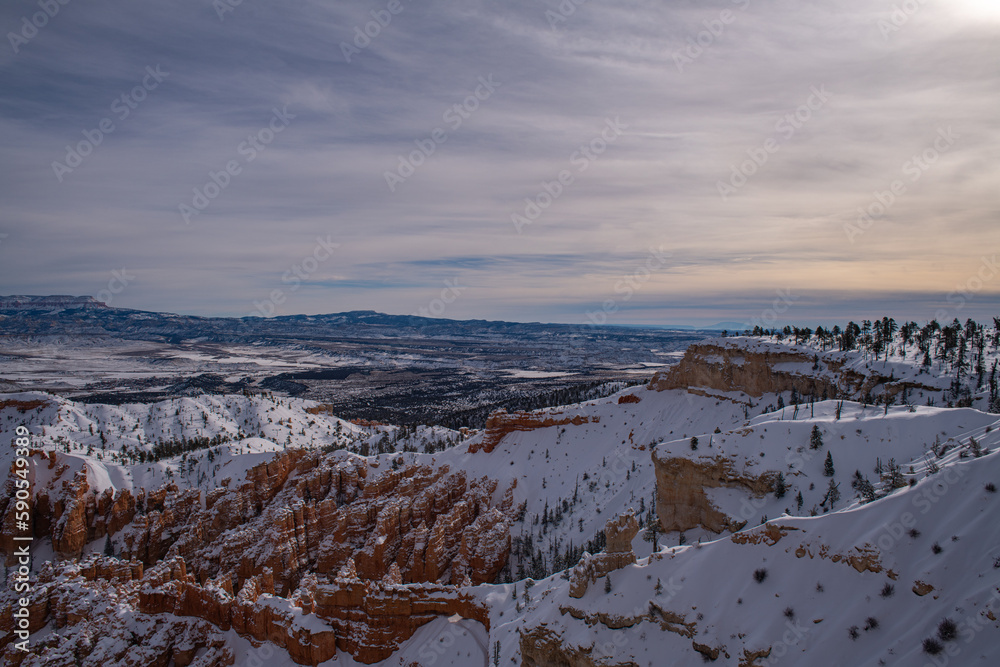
(618, 553)
(724, 367)
(681, 501)
(501, 423)
(296, 521)
(67, 510)
(542, 647)
(89, 601)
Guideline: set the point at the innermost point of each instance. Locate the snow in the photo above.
(528, 374)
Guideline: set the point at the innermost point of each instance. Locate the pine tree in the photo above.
(893, 475)
(659, 587)
(779, 486)
(799, 500)
(832, 494)
(652, 533)
(815, 438)
(496, 654)
(607, 583)
(828, 470)
(109, 548)
(694, 443)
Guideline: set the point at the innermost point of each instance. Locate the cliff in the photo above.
(501, 423)
(740, 365)
(681, 501)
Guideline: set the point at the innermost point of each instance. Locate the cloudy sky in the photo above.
(624, 161)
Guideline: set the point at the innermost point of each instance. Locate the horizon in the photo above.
(734, 328)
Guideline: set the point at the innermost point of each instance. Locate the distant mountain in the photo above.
(50, 303)
(83, 315)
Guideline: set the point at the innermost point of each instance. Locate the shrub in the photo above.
(819, 587)
(853, 632)
(991, 488)
(789, 613)
(694, 443)
(936, 548)
(932, 646)
(914, 533)
(888, 590)
(871, 623)
(760, 575)
(947, 630)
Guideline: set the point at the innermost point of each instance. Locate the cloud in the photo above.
(700, 91)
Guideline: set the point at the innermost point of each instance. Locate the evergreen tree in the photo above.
(828, 470)
(607, 583)
(694, 443)
(832, 494)
(496, 654)
(779, 486)
(109, 548)
(652, 533)
(815, 438)
(893, 476)
(658, 589)
(799, 500)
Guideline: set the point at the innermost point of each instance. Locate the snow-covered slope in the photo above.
(194, 442)
(865, 585)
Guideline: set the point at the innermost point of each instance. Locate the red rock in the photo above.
(500, 424)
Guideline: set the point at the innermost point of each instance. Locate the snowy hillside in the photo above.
(791, 592)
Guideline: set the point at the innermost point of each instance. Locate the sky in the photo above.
(582, 161)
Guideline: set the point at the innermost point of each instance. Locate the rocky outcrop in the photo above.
(681, 501)
(618, 553)
(399, 538)
(863, 559)
(768, 534)
(24, 406)
(749, 658)
(305, 512)
(92, 603)
(67, 510)
(542, 647)
(734, 367)
(501, 423)
(364, 618)
(372, 618)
